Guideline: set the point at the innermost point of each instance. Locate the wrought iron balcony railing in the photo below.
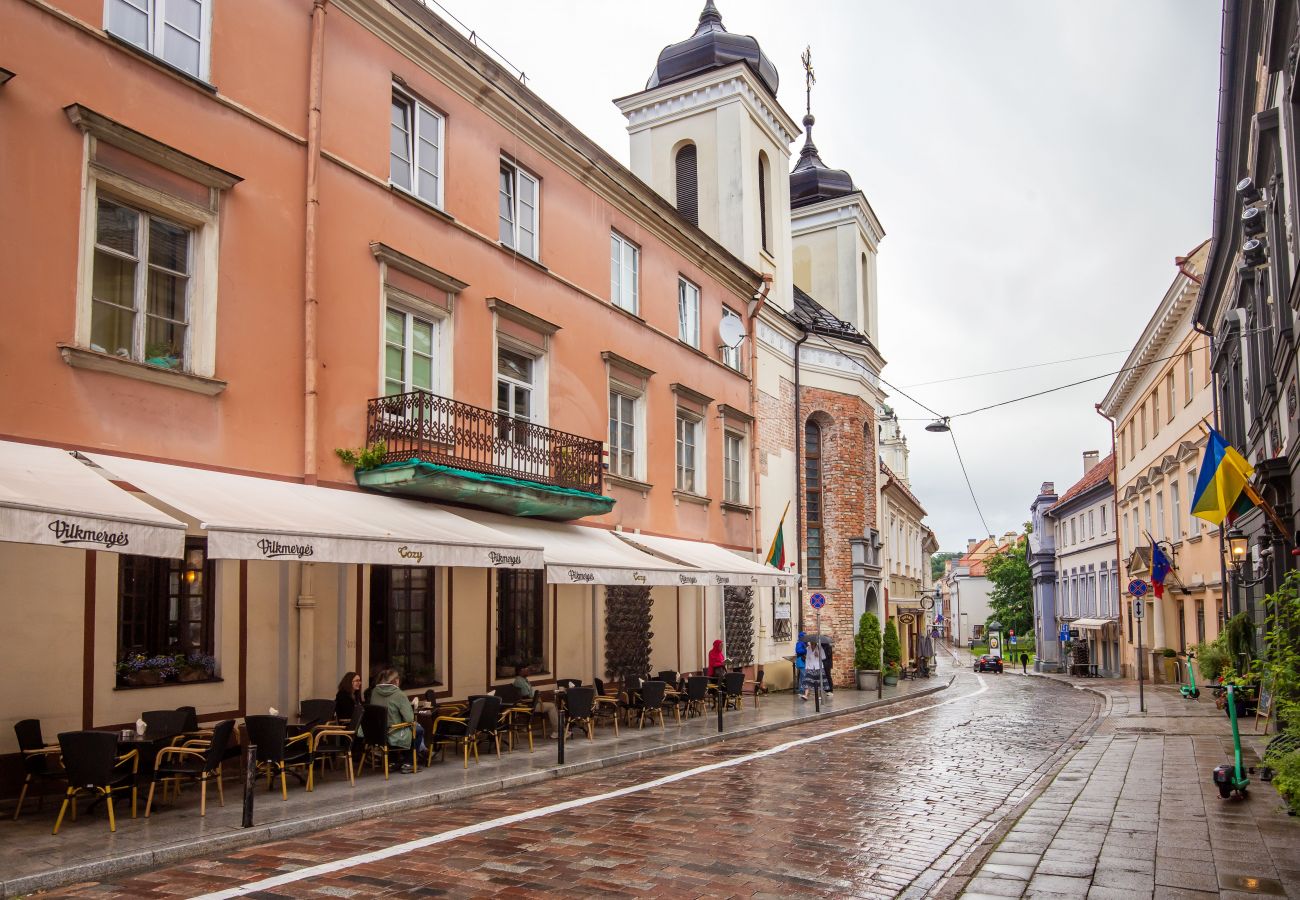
(424, 426)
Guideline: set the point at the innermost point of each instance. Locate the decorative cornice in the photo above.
(103, 128)
(623, 362)
(690, 394)
(834, 212)
(443, 53)
(730, 412)
(396, 259)
(523, 317)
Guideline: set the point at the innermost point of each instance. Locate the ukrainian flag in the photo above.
(1222, 488)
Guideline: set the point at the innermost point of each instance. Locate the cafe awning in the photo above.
(1091, 623)
(577, 554)
(262, 518)
(716, 565)
(49, 497)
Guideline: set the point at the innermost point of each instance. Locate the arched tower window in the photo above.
(762, 199)
(687, 184)
(812, 465)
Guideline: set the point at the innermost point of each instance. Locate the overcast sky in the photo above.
(1036, 165)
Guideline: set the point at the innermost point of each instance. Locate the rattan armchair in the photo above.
(458, 732)
(197, 760)
(277, 752)
(41, 761)
(95, 767)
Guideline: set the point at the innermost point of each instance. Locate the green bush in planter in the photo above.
(1212, 659)
(893, 650)
(866, 650)
(1169, 652)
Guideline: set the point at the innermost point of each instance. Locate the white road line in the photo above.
(502, 821)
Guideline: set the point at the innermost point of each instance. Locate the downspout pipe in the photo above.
(756, 307)
(798, 473)
(311, 353)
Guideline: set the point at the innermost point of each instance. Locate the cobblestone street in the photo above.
(838, 808)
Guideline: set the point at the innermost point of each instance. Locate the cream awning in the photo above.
(577, 554)
(262, 518)
(48, 497)
(716, 565)
(1091, 623)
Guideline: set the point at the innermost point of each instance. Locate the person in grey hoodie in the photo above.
(388, 693)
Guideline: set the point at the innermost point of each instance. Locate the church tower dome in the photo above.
(712, 47)
(812, 180)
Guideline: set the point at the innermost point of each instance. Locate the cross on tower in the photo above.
(809, 77)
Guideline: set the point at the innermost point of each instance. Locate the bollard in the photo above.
(250, 781)
(817, 695)
(559, 746)
(722, 699)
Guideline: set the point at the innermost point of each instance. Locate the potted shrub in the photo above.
(866, 652)
(893, 649)
(892, 671)
(1169, 665)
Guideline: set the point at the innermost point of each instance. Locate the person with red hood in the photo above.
(717, 659)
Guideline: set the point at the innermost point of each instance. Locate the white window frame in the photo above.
(1176, 509)
(411, 307)
(155, 13)
(201, 331)
(519, 174)
(537, 392)
(688, 312)
(637, 398)
(731, 357)
(416, 141)
(1092, 524)
(698, 457)
(1160, 515)
(1170, 389)
(1105, 526)
(624, 282)
(1193, 523)
(1189, 376)
(730, 435)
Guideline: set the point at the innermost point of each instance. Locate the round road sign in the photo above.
(1137, 587)
(817, 601)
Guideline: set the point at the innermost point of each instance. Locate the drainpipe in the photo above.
(798, 474)
(755, 307)
(1114, 509)
(310, 352)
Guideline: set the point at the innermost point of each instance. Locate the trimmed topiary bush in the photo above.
(893, 650)
(866, 645)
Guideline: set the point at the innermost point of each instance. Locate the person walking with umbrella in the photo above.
(828, 653)
(812, 667)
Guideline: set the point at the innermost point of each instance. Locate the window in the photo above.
(688, 312)
(1189, 365)
(731, 355)
(140, 288)
(733, 448)
(688, 449)
(415, 149)
(1155, 412)
(622, 435)
(812, 465)
(1160, 515)
(1105, 523)
(1146, 514)
(762, 199)
(518, 209)
(1104, 607)
(1169, 391)
(1092, 524)
(409, 344)
(1074, 530)
(624, 267)
(175, 31)
(1142, 419)
(520, 619)
(1193, 523)
(165, 605)
(402, 622)
(1175, 512)
(516, 375)
(686, 180)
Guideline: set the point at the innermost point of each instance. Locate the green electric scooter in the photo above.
(1189, 690)
(1229, 778)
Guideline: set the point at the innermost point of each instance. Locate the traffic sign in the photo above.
(1065, 633)
(1139, 609)
(1012, 639)
(817, 601)
(1137, 587)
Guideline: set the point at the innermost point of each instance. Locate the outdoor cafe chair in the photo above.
(165, 722)
(629, 699)
(668, 677)
(756, 687)
(459, 732)
(652, 703)
(40, 760)
(314, 713)
(277, 752)
(337, 740)
(519, 719)
(733, 685)
(697, 693)
(197, 760)
(604, 707)
(580, 704)
(378, 737)
(95, 767)
(509, 694)
(492, 723)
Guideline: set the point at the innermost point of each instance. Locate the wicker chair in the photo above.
(95, 767)
(40, 760)
(197, 760)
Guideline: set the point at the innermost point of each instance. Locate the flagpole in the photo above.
(779, 526)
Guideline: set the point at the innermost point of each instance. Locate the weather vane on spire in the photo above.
(809, 77)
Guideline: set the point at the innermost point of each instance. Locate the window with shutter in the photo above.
(687, 190)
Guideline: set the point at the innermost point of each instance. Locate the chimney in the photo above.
(970, 544)
(1049, 487)
(1090, 459)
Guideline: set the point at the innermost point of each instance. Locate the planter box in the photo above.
(868, 679)
(891, 679)
(141, 679)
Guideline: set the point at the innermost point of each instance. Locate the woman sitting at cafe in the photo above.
(349, 700)
(528, 692)
(389, 693)
(717, 660)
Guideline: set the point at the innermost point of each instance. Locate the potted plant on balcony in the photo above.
(363, 458)
(866, 652)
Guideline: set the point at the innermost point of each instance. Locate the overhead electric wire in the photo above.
(876, 375)
(1054, 362)
(969, 486)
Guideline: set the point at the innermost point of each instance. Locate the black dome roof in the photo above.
(712, 47)
(812, 180)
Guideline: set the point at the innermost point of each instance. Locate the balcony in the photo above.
(441, 449)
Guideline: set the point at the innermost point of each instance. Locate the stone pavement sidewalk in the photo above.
(1134, 814)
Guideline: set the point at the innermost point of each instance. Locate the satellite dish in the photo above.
(732, 331)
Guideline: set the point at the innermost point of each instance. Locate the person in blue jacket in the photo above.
(800, 662)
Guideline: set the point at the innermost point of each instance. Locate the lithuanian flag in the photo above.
(776, 555)
(1223, 487)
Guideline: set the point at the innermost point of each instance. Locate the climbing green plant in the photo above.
(1280, 666)
(893, 650)
(1212, 658)
(866, 645)
(1240, 639)
(362, 458)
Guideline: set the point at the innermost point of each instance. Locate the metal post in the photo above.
(559, 745)
(250, 780)
(1142, 703)
(817, 685)
(880, 678)
(722, 699)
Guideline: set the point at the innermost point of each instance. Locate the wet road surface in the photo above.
(877, 804)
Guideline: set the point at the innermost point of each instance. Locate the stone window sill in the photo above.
(737, 507)
(167, 684)
(692, 498)
(630, 483)
(81, 358)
